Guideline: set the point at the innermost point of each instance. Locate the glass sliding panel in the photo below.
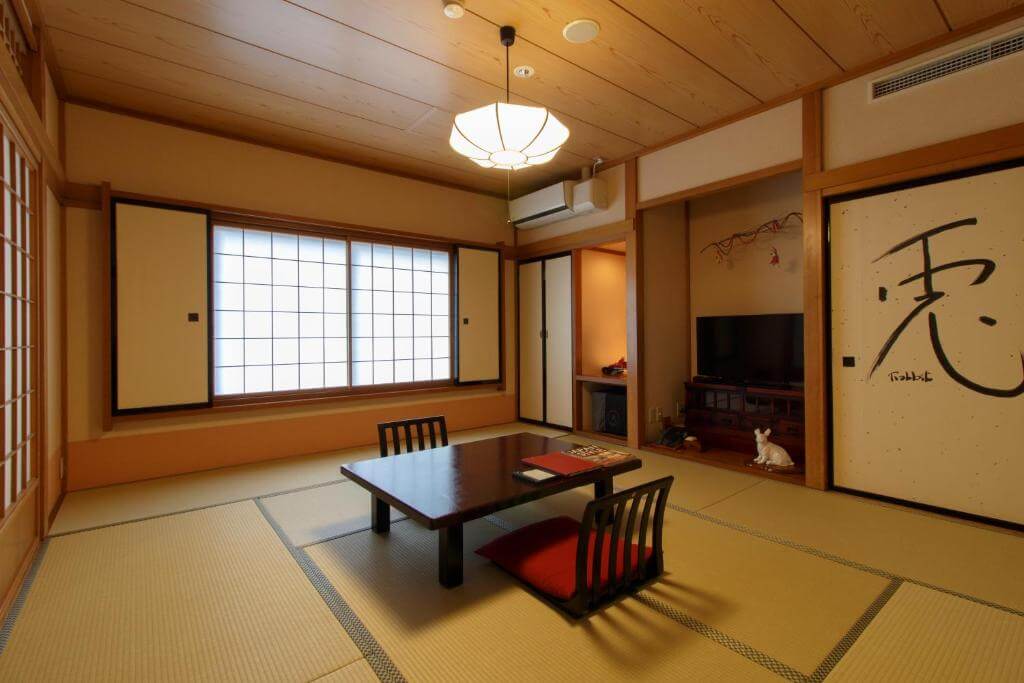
(270, 292)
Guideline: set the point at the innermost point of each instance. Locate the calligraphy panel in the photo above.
(927, 296)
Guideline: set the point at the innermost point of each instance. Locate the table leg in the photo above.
(603, 487)
(380, 515)
(449, 556)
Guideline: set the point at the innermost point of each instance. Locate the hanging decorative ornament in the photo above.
(508, 136)
(775, 257)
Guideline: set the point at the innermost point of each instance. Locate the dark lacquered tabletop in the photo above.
(453, 484)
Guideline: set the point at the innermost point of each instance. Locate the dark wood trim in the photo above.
(946, 512)
(115, 410)
(724, 184)
(235, 137)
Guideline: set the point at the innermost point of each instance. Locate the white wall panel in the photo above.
(161, 277)
(761, 141)
(479, 314)
(975, 100)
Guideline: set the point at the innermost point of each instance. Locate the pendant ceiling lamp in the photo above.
(508, 136)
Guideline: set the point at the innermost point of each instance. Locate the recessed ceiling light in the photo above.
(453, 9)
(524, 71)
(581, 30)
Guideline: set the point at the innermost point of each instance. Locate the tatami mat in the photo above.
(790, 605)
(961, 557)
(139, 500)
(356, 672)
(490, 629)
(210, 595)
(696, 486)
(924, 635)
(324, 512)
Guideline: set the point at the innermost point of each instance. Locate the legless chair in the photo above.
(580, 566)
(406, 428)
(380, 512)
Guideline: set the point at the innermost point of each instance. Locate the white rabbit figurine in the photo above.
(768, 453)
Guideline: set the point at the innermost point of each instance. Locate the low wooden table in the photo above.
(442, 488)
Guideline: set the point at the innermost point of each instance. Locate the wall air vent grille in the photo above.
(979, 54)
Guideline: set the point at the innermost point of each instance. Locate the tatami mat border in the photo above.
(817, 552)
(847, 641)
(375, 655)
(19, 601)
(723, 639)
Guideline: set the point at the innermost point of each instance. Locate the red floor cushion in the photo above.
(543, 555)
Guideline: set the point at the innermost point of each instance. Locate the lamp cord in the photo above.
(508, 172)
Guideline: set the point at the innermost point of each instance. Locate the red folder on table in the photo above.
(560, 463)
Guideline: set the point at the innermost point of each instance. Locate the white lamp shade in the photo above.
(508, 136)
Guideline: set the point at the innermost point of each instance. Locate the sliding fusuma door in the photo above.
(545, 341)
(927, 289)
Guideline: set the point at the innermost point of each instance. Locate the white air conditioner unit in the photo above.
(560, 201)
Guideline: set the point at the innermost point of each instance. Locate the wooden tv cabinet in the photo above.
(725, 415)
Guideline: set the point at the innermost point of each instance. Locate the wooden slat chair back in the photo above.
(407, 436)
(628, 516)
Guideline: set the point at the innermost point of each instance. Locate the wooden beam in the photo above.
(28, 29)
(104, 237)
(1001, 144)
(25, 124)
(724, 184)
(612, 232)
(81, 196)
(815, 245)
(635, 423)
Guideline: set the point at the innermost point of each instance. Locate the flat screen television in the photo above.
(751, 349)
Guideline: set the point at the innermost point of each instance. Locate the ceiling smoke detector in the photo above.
(453, 9)
(524, 71)
(581, 30)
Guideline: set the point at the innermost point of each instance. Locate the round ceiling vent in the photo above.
(581, 30)
(524, 71)
(453, 9)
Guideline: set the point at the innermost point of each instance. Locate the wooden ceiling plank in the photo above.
(471, 46)
(854, 33)
(441, 159)
(129, 70)
(964, 12)
(752, 42)
(301, 35)
(627, 52)
(94, 91)
(135, 28)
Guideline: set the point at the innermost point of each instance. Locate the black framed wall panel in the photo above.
(160, 305)
(479, 292)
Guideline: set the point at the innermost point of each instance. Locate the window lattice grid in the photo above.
(280, 311)
(17, 332)
(400, 314)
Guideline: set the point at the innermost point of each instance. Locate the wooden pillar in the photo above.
(635, 425)
(816, 303)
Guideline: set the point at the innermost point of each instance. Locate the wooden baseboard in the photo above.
(149, 455)
(19, 579)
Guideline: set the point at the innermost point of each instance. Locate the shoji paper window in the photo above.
(18, 333)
